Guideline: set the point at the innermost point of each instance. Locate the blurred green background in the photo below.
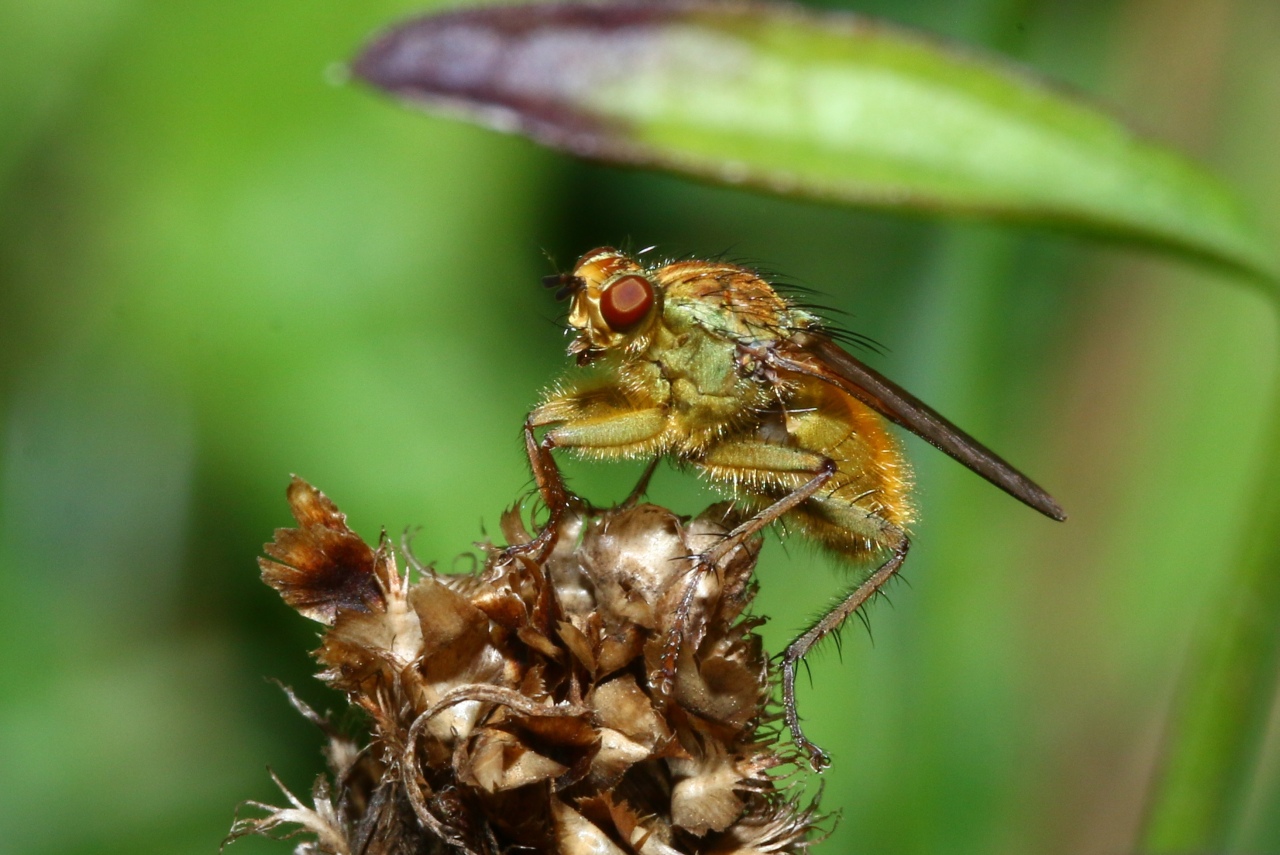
(219, 266)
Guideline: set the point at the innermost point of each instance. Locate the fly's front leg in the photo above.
(592, 423)
(551, 487)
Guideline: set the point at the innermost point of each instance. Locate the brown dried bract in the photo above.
(322, 567)
(516, 707)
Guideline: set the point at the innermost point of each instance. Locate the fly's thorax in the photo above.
(702, 364)
(727, 300)
(643, 380)
(705, 393)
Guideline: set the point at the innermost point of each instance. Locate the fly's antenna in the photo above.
(567, 283)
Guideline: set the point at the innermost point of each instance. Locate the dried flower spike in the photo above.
(515, 708)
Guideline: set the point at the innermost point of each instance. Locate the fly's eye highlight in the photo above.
(626, 302)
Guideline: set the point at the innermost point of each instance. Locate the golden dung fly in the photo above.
(705, 362)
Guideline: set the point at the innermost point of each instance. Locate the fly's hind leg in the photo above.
(825, 625)
(832, 516)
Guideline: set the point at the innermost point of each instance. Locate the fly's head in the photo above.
(614, 303)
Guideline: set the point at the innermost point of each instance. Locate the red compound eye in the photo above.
(626, 302)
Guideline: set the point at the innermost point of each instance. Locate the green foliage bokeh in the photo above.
(218, 266)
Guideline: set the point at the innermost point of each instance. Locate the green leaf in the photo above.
(823, 106)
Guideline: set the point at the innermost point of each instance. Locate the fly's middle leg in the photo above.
(762, 463)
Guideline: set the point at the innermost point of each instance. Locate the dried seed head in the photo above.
(525, 706)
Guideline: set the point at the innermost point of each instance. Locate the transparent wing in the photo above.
(818, 356)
